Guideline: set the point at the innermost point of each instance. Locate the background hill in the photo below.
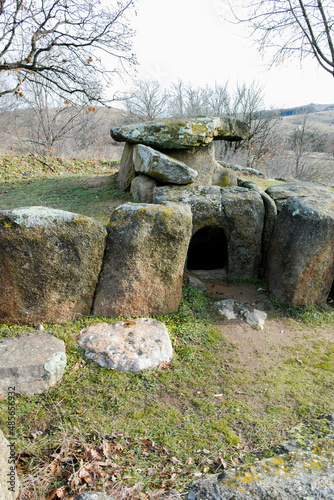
(294, 143)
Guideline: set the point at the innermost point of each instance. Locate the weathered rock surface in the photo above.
(269, 219)
(242, 220)
(126, 169)
(127, 346)
(31, 363)
(9, 483)
(301, 254)
(232, 309)
(49, 264)
(142, 188)
(204, 201)
(161, 167)
(238, 211)
(307, 473)
(283, 192)
(181, 133)
(202, 159)
(144, 259)
(238, 168)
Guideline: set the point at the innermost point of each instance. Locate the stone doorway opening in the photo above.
(208, 249)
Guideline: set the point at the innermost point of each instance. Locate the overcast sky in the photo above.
(192, 40)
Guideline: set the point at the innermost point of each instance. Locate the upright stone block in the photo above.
(144, 259)
(49, 265)
(301, 254)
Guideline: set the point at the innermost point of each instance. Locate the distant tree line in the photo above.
(271, 146)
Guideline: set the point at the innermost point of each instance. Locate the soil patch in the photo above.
(256, 349)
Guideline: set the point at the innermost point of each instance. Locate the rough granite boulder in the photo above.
(127, 346)
(142, 188)
(181, 133)
(204, 201)
(161, 167)
(31, 363)
(269, 219)
(144, 260)
(306, 473)
(9, 484)
(283, 192)
(243, 221)
(49, 264)
(202, 159)
(301, 254)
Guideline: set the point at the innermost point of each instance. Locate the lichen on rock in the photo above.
(181, 133)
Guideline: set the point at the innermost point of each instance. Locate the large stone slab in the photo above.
(161, 167)
(144, 259)
(49, 264)
(243, 221)
(202, 159)
(204, 201)
(127, 346)
(181, 133)
(301, 254)
(282, 192)
(269, 219)
(9, 484)
(305, 473)
(31, 363)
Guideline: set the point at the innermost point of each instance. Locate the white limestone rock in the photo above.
(127, 345)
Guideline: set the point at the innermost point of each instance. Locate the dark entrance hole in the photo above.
(208, 249)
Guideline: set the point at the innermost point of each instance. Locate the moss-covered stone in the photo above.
(301, 253)
(243, 220)
(181, 133)
(305, 473)
(49, 264)
(202, 159)
(161, 167)
(204, 201)
(144, 259)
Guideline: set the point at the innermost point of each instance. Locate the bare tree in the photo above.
(247, 105)
(303, 141)
(62, 41)
(186, 100)
(294, 27)
(218, 100)
(146, 100)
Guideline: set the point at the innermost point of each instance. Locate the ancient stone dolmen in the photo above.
(192, 212)
(285, 234)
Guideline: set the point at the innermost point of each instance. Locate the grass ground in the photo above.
(221, 402)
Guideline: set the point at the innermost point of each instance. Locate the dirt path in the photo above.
(256, 349)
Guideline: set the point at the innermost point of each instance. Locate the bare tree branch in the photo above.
(294, 27)
(62, 41)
